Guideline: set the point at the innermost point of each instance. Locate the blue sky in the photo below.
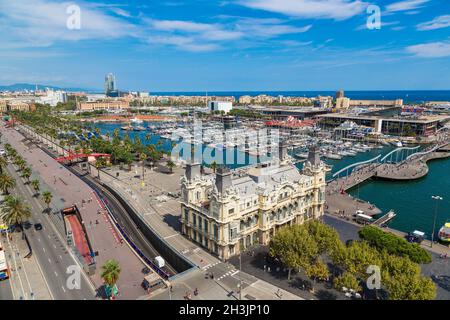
(179, 45)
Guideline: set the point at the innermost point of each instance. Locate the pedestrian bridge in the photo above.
(400, 152)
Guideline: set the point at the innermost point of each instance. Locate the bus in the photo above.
(360, 217)
(4, 272)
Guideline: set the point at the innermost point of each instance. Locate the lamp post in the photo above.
(240, 276)
(435, 215)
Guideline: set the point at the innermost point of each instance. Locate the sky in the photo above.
(227, 45)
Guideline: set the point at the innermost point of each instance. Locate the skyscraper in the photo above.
(110, 85)
(340, 94)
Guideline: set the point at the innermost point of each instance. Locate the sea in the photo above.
(408, 96)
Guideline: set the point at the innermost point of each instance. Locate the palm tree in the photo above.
(15, 211)
(6, 182)
(214, 166)
(3, 164)
(26, 173)
(111, 273)
(36, 186)
(47, 196)
(170, 164)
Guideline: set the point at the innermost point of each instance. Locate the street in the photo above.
(50, 249)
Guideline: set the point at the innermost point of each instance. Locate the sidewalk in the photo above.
(27, 281)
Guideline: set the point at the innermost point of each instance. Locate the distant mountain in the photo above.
(28, 86)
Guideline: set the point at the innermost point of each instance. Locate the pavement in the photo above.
(50, 252)
(151, 197)
(26, 279)
(70, 190)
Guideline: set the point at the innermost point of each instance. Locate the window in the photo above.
(216, 231)
(186, 215)
(200, 222)
(194, 219)
(206, 226)
(231, 211)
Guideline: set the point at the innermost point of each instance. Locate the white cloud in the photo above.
(405, 5)
(436, 23)
(184, 43)
(44, 22)
(430, 50)
(383, 25)
(329, 9)
(196, 36)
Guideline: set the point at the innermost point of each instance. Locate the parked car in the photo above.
(38, 226)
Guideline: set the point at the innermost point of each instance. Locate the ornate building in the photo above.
(227, 212)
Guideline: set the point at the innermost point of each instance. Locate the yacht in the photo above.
(444, 232)
(139, 128)
(137, 120)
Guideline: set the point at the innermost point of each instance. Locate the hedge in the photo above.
(394, 244)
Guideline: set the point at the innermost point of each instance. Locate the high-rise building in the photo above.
(110, 86)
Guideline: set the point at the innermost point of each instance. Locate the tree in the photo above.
(6, 182)
(394, 244)
(347, 280)
(294, 246)
(15, 211)
(326, 237)
(403, 280)
(318, 270)
(110, 273)
(3, 164)
(47, 196)
(170, 164)
(214, 166)
(26, 173)
(36, 186)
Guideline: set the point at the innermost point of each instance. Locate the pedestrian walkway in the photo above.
(27, 280)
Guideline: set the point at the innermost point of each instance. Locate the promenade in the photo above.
(155, 198)
(26, 279)
(70, 190)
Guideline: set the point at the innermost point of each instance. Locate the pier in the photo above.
(385, 218)
(339, 202)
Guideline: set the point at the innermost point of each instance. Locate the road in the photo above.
(124, 220)
(50, 250)
(5, 290)
(68, 190)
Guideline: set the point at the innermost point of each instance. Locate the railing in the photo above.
(355, 165)
(400, 149)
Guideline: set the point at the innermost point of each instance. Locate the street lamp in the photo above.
(240, 275)
(435, 214)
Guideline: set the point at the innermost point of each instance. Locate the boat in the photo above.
(332, 156)
(136, 120)
(444, 233)
(139, 128)
(397, 144)
(302, 155)
(126, 128)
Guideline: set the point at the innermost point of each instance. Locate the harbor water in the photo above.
(411, 200)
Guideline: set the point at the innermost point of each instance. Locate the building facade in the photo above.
(103, 105)
(226, 213)
(224, 106)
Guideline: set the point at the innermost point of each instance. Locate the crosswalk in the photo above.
(230, 273)
(208, 266)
